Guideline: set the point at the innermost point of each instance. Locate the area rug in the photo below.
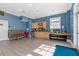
(45, 50)
(65, 51)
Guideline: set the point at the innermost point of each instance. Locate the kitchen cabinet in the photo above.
(34, 25)
(39, 24)
(42, 34)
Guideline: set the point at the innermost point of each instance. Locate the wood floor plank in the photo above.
(25, 47)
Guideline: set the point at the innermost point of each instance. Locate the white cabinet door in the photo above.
(3, 30)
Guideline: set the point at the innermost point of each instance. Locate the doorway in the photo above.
(3, 30)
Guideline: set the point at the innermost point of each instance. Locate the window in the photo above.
(55, 23)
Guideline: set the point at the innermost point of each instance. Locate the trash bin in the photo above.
(26, 33)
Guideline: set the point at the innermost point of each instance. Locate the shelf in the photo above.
(56, 38)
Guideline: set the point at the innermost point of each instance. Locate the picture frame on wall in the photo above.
(55, 23)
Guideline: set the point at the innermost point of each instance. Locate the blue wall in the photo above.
(47, 19)
(14, 22)
(68, 23)
(65, 20)
(27, 20)
(71, 20)
(28, 24)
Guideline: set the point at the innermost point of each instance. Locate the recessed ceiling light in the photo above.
(29, 4)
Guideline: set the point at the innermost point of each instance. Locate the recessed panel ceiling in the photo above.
(35, 10)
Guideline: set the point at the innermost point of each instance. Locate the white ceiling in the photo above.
(35, 10)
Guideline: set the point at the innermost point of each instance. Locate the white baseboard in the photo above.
(73, 46)
(4, 39)
(68, 40)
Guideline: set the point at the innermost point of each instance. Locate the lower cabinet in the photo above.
(42, 35)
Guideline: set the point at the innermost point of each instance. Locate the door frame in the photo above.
(75, 26)
(7, 29)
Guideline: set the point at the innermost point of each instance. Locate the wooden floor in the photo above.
(24, 47)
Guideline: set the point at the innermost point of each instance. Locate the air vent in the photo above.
(1, 13)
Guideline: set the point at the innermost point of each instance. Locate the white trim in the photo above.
(75, 35)
(73, 46)
(74, 26)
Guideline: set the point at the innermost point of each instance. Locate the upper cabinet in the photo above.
(39, 24)
(34, 25)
